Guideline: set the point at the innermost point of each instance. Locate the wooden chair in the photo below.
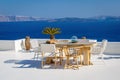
(76, 54)
(49, 52)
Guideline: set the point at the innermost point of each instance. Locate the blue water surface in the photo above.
(91, 29)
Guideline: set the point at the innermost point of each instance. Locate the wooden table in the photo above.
(86, 49)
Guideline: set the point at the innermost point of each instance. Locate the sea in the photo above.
(98, 30)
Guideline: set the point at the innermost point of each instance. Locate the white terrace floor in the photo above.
(22, 66)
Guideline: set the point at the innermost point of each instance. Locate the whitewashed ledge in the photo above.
(112, 47)
(7, 45)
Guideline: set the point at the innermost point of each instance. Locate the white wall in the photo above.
(112, 47)
(19, 44)
(7, 45)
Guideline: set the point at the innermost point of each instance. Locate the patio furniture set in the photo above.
(69, 55)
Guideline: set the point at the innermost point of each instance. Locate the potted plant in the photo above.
(52, 32)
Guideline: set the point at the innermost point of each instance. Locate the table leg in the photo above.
(86, 56)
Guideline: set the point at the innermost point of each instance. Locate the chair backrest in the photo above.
(37, 49)
(23, 44)
(48, 48)
(99, 49)
(34, 43)
(104, 43)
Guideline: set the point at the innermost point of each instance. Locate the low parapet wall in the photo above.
(7, 45)
(112, 47)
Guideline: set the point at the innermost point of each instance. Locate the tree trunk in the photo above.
(52, 37)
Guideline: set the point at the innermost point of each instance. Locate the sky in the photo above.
(60, 8)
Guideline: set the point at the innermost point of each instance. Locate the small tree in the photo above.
(51, 31)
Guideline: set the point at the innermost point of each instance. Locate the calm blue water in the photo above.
(93, 30)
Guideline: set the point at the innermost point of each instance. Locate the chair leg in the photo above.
(38, 56)
(80, 59)
(55, 64)
(77, 63)
(42, 61)
(42, 64)
(102, 58)
(34, 55)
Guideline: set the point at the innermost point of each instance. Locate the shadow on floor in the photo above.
(111, 56)
(24, 63)
(30, 64)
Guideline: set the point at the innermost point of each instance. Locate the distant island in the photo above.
(19, 18)
(28, 18)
